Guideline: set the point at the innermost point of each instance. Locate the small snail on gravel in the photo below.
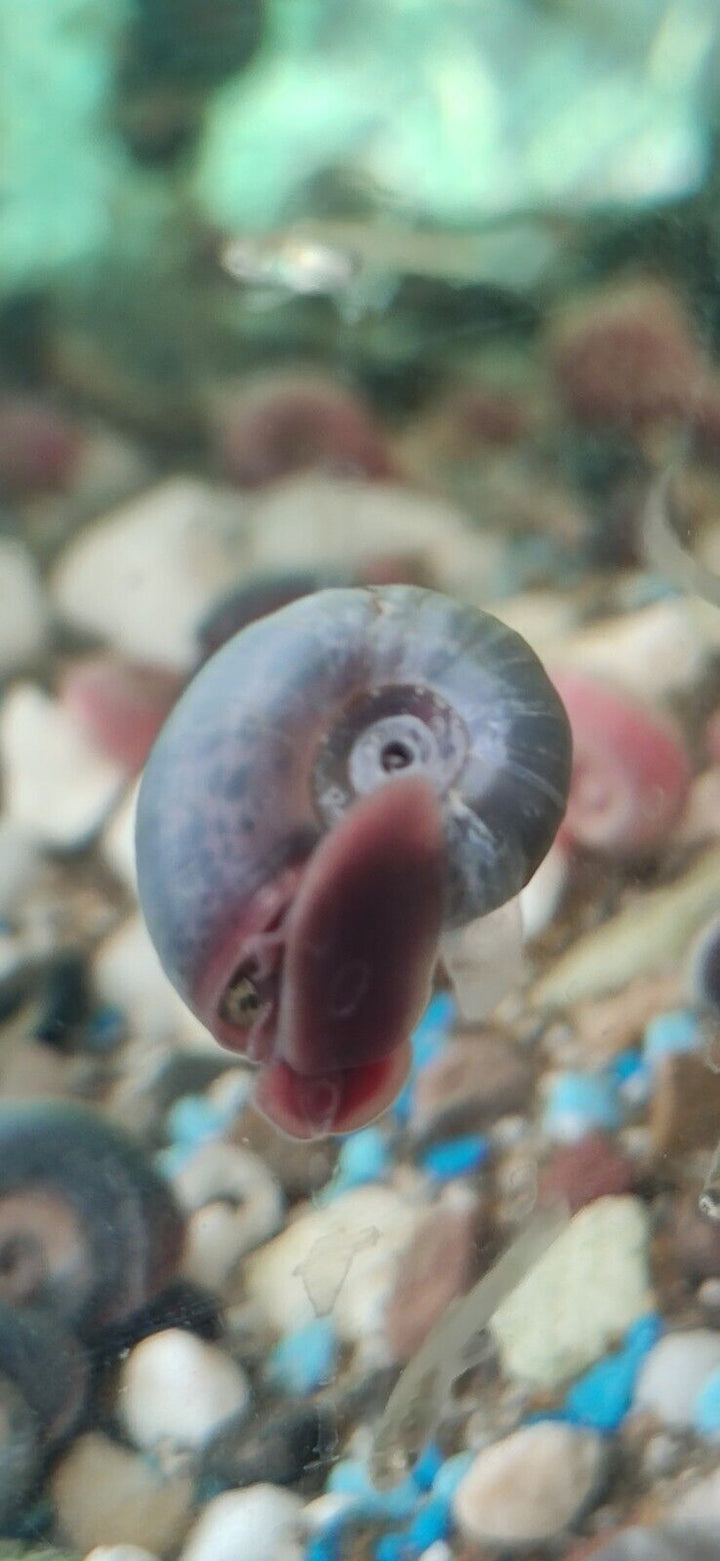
(347, 783)
(87, 1228)
(43, 1381)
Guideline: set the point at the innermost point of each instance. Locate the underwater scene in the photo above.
(359, 780)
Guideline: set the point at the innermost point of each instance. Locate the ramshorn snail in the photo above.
(345, 782)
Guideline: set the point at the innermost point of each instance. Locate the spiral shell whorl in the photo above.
(456, 696)
(311, 708)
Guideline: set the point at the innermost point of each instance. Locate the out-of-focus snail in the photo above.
(344, 784)
(87, 1228)
(43, 1382)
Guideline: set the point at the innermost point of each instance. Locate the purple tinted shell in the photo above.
(309, 709)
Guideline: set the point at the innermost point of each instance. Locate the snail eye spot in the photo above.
(240, 1004)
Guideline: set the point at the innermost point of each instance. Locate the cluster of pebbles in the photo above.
(201, 1321)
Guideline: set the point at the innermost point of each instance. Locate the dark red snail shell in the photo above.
(346, 780)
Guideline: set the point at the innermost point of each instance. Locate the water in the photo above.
(302, 297)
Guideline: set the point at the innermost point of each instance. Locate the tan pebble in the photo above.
(582, 1295)
(434, 1269)
(107, 1495)
(649, 933)
(530, 1486)
(31, 1071)
(544, 618)
(685, 1106)
(612, 1024)
(701, 819)
(337, 1260)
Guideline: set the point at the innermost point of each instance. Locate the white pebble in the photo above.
(20, 863)
(654, 653)
(581, 1296)
(128, 974)
(541, 898)
(338, 1260)
(246, 1525)
(118, 839)
(144, 577)
(174, 1390)
(528, 1488)
(321, 522)
(674, 1372)
(24, 615)
(235, 1204)
(119, 1553)
(56, 783)
(698, 1509)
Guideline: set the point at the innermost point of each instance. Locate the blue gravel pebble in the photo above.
(107, 1029)
(363, 1158)
(632, 1075)
(431, 1523)
(579, 1102)
(453, 1471)
(351, 1478)
(456, 1156)
(676, 1031)
(428, 1466)
(169, 1161)
(392, 1547)
(303, 1361)
(602, 1397)
(706, 1410)
(324, 1547)
(194, 1121)
(429, 1040)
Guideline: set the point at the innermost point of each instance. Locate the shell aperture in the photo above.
(345, 782)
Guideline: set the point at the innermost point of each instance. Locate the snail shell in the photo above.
(346, 779)
(87, 1228)
(43, 1381)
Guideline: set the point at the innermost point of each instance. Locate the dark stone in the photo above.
(296, 1442)
(66, 1002)
(180, 1305)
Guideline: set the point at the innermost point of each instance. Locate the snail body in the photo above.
(343, 782)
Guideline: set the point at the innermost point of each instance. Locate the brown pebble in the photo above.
(625, 355)
(581, 1172)
(106, 1495)
(435, 1268)
(695, 1239)
(685, 1107)
(477, 1079)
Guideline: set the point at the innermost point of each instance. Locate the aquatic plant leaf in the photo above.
(452, 1346)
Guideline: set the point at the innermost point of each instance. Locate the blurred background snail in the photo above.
(87, 1228)
(345, 784)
